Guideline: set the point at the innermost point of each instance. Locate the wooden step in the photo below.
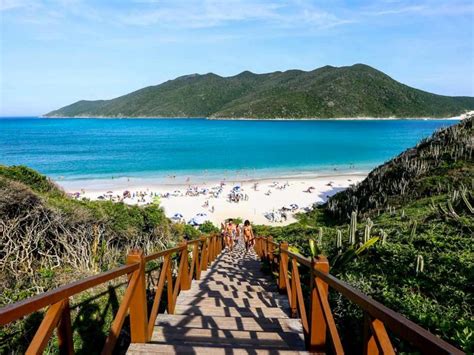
(231, 311)
(234, 338)
(235, 294)
(235, 283)
(230, 323)
(231, 288)
(232, 302)
(139, 349)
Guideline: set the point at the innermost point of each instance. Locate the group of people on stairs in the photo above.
(232, 233)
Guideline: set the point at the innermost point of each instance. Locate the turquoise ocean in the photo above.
(78, 149)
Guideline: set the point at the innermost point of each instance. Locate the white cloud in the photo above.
(16, 4)
(214, 13)
(425, 8)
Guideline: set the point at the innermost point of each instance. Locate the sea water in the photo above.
(74, 149)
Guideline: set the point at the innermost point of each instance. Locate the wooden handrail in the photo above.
(19, 309)
(381, 316)
(205, 250)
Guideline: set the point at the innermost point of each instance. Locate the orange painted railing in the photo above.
(317, 319)
(134, 301)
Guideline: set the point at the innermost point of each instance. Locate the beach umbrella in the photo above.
(193, 222)
(110, 192)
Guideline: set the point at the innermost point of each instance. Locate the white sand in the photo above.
(259, 202)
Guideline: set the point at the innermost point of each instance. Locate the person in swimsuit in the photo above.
(230, 234)
(237, 234)
(248, 235)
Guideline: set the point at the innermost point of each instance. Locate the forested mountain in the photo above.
(327, 92)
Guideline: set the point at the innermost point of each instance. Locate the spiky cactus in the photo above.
(384, 236)
(466, 201)
(420, 264)
(339, 239)
(368, 228)
(353, 228)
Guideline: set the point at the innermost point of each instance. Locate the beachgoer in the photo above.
(248, 235)
(237, 234)
(230, 234)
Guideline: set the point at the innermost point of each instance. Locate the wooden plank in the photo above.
(231, 302)
(237, 338)
(142, 349)
(262, 294)
(381, 337)
(158, 293)
(46, 328)
(231, 311)
(120, 316)
(230, 323)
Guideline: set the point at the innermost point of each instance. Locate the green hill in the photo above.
(327, 92)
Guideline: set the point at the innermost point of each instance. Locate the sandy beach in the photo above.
(272, 201)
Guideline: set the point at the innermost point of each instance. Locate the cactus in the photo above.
(320, 237)
(420, 264)
(368, 228)
(384, 236)
(312, 248)
(452, 212)
(339, 239)
(353, 228)
(466, 201)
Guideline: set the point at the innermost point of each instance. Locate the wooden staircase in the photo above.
(234, 308)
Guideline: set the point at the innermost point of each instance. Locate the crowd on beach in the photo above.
(235, 195)
(265, 201)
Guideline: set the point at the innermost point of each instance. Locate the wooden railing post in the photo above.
(265, 248)
(270, 252)
(198, 261)
(282, 264)
(65, 341)
(294, 300)
(138, 303)
(204, 254)
(185, 281)
(317, 322)
(212, 249)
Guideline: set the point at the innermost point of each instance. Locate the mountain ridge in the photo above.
(327, 92)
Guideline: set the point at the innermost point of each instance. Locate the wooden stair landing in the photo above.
(233, 309)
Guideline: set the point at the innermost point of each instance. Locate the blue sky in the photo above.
(56, 52)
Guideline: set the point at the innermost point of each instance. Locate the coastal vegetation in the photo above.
(353, 91)
(415, 216)
(48, 239)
